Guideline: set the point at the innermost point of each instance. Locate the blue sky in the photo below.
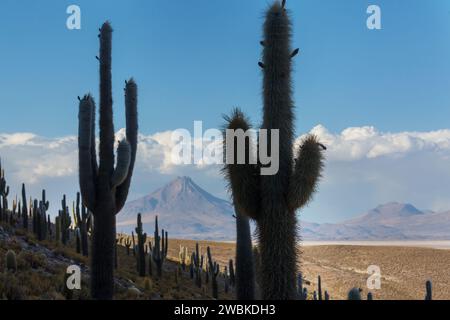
(195, 60)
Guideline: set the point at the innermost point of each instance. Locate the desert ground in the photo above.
(404, 268)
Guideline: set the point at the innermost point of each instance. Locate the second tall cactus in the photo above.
(272, 200)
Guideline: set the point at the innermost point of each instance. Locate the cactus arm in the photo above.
(132, 136)
(106, 114)
(243, 178)
(123, 163)
(85, 149)
(306, 174)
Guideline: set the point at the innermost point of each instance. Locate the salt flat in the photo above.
(435, 244)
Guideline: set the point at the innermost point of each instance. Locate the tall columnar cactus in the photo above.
(159, 249)
(44, 205)
(134, 243)
(429, 293)
(24, 208)
(127, 245)
(245, 270)
(272, 200)
(213, 268)
(82, 222)
(231, 271)
(64, 221)
(197, 262)
(4, 191)
(104, 188)
(319, 287)
(142, 238)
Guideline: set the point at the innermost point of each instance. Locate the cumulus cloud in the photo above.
(364, 167)
(357, 143)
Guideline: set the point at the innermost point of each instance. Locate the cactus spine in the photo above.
(142, 238)
(104, 188)
(272, 200)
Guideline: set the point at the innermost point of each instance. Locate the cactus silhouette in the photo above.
(272, 200)
(104, 188)
(82, 220)
(213, 268)
(245, 271)
(354, 294)
(24, 208)
(4, 191)
(64, 221)
(319, 287)
(231, 271)
(428, 287)
(142, 238)
(160, 247)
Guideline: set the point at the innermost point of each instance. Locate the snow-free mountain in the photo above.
(187, 211)
(184, 209)
(391, 221)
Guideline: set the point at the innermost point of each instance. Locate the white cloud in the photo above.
(367, 142)
(364, 167)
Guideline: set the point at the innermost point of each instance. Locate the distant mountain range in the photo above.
(187, 211)
(391, 221)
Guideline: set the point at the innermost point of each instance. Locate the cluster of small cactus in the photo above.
(63, 222)
(40, 219)
(83, 223)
